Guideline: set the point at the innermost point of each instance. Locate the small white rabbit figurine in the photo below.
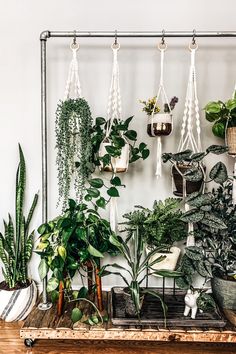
(190, 300)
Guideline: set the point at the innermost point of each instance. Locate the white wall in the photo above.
(20, 27)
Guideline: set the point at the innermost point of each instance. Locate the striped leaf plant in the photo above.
(16, 243)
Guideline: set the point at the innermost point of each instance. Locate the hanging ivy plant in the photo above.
(74, 146)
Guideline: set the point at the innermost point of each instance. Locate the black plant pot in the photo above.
(130, 309)
(178, 181)
(224, 292)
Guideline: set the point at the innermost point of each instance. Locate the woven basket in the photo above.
(231, 140)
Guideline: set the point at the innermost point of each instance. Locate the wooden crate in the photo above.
(152, 313)
(47, 325)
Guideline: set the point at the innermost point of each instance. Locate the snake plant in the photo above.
(16, 244)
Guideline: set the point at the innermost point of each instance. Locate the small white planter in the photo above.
(120, 164)
(160, 124)
(15, 305)
(170, 262)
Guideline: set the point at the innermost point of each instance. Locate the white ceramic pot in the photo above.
(120, 164)
(15, 305)
(160, 124)
(170, 262)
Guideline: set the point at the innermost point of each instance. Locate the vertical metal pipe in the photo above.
(45, 305)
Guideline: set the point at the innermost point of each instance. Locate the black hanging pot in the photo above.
(191, 186)
(159, 124)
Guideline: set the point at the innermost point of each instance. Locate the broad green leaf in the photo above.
(100, 121)
(219, 173)
(193, 216)
(142, 146)
(112, 150)
(127, 121)
(131, 134)
(83, 292)
(43, 269)
(76, 315)
(113, 192)
(198, 200)
(42, 229)
(213, 221)
(62, 252)
(101, 202)
(166, 157)
(218, 129)
(213, 107)
(198, 156)
(95, 319)
(145, 154)
(52, 284)
(94, 252)
(88, 198)
(193, 174)
(168, 273)
(194, 253)
(114, 241)
(54, 296)
(93, 192)
(96, 182)
(231, 104)
(217, 149)
(116, 181)
(181, 156)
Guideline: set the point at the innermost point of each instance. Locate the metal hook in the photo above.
(74, 39)
(194, 36)
(74, 45)
(115, 45)
(115, 37)
(163, 37)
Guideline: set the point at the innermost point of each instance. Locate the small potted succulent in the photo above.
(188, 171)
(159, 119)
(138, 266)
(161, 226)
(18, 293)
(114, 152)
(223, 117)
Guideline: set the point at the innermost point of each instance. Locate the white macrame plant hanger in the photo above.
(114, 112)
(190, 137)
(163, 99)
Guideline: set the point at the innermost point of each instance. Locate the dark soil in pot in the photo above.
(4, 286)
(224, 292)
(178, 181)
(130, 309)
(159, 129)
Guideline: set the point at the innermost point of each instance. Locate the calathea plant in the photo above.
(138, 267)
(70, 243)
(74, 146)
(16, 244)
(188, 169)
(119, 136)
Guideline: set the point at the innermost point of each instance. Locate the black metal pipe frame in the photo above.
(45, 35)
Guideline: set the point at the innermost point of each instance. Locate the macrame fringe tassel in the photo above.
(234, 185)
(113, 214)
(159, 162)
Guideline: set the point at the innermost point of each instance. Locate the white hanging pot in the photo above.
(231, 140)
(169, 263)
(118, 164)
(15, 305)
(159, 124)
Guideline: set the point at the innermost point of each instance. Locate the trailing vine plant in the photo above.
(74, 147)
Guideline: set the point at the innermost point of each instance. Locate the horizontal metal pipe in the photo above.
(148, 34)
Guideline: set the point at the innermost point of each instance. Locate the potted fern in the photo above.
(18, 292)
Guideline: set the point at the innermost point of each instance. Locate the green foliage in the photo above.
(222, 115)
(74, 146)
(160, 226)
(151, 106)
(69, 241)
(16, 244)
(119, 135)
(138, 266)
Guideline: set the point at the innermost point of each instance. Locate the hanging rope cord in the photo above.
(73, 81)
(164, 99)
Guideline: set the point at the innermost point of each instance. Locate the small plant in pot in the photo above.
(188, 170)
(215, 236)
(115, 147)
(163, 226)
(159, 119)
(223, 117)
(18, 293)
(138, 268)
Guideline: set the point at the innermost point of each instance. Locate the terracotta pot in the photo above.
(15, 305)
(178, 181)
(130, 309)
(170, 262)
(159, 125)
(120, 164)
(224, 292)
(231, 140)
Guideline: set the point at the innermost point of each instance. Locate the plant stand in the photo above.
(47, 325)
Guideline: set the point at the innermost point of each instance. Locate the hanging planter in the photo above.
(186, 187)
(159, 118)
(118, 164)
(73, 137)
(169, 261)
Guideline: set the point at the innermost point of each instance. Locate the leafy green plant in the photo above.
(119, 135)
(16, 244)
(195, 172)
(138, 267)
(74, 146)
(151, 105)
(222, 115)
(69, 241)
(160, 226)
